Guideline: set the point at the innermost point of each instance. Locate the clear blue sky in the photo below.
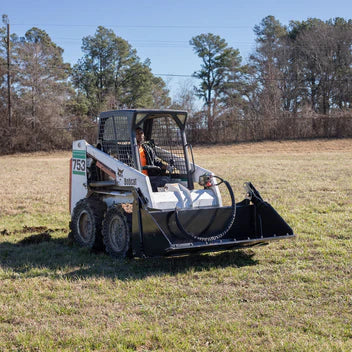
(161, 29)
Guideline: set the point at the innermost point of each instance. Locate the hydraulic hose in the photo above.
(212, 236)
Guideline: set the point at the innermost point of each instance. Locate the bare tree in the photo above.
(41, 82)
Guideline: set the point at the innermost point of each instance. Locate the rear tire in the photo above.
(86, 222)
(116, 232)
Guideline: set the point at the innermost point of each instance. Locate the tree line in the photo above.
(296, 71)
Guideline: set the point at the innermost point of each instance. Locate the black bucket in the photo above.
(159, 234)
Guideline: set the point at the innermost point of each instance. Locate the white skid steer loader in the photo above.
(148, 206)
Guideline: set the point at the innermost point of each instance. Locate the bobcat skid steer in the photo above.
(114, 201)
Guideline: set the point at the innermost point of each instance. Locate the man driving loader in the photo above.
(148, 158)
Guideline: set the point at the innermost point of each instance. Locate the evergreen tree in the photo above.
(218, 74)
(111, 74)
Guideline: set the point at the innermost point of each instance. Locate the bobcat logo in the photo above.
(120, 172)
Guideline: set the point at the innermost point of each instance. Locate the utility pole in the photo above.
(6, 21)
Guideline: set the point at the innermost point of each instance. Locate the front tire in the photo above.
(116, 232)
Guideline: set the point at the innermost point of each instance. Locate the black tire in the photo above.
(86, 222)
(116, 232)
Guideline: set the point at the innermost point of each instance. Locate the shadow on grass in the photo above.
(41, 255)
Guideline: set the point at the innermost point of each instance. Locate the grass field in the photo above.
(293, 295)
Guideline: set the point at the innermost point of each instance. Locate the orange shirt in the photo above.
(143, 159)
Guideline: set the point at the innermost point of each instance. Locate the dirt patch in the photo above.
(41, 234)
(34, 229)
(4, 233)
(128, 208)
(35, 239)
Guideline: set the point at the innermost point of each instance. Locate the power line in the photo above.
(131, 26)
(16, 67)
(149, 41)
(172, 75)
(153, 43)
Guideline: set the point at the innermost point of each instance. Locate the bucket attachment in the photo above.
(157, 232)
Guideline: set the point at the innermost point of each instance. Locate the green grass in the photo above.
(292, 295)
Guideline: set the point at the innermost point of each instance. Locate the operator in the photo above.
(148, 157)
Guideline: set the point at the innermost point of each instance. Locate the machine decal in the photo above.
(120, 172)
(130, 181)
(79, 162)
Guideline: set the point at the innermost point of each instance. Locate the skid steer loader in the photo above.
(155, 210)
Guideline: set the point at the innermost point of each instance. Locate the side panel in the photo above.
(124, 174)
(199, 171)
(177, 196)
(78, 172)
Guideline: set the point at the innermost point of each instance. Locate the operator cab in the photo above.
(164, 131)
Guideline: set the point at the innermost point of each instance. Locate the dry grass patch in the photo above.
(288, 296)
(281, 147)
